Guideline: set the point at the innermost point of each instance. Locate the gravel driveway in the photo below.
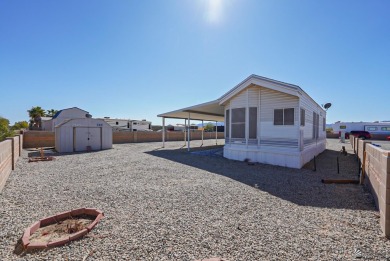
(167, 204)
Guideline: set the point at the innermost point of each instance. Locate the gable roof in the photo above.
(59, 112)
(261, 81)
(84, 119)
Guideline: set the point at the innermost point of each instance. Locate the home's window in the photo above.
(303, 117)
(128, 125)
(323, 124)
(386, 128)
(252, 122)
(343, 127)
(316, 121)
(238, 123)
(134, 123)
(284, 116)
(278, 117)
(227, 123)
(373, 128)
(117, 123)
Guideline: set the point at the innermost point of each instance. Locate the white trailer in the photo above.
(128, 125)
(371, 127)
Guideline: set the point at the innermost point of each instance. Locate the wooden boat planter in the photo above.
(60, 229)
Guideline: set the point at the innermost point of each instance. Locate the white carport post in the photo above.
(185, 133)
(202, 133)
(216, 133)
(189, 133)
(163, 132)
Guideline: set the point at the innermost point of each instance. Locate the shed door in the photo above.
(84, 137)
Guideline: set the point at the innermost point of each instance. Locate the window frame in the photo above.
(303, 117)
(227, 123)
(252, 124)
(283, 121)
(236, 123)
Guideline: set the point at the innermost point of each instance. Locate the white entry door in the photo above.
(94, 138)
(84, 137)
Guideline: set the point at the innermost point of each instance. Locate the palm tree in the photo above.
(35, 114)
(51, 113)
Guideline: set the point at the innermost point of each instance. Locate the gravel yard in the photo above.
(167, 204)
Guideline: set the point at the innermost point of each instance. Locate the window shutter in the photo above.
(227, 123)
(278, 117)
(289, 116)
(253, 123)
(238, 123)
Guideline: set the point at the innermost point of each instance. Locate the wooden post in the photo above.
(363, 168)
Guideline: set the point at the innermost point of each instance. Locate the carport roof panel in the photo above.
(209, 111)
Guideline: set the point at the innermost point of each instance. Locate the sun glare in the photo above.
(214, 10)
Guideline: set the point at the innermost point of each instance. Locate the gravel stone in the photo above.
(168, 204)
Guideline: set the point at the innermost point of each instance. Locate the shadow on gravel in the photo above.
(299, 186)
(52, 152)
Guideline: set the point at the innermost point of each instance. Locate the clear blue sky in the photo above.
(136, 59)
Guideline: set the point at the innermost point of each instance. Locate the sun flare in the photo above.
(214, 10)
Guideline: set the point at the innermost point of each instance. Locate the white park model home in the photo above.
(266, 121)
(272, 122)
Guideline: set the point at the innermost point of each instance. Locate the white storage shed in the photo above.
(84, 134)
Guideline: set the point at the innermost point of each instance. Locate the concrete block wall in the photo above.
(38, 139)
(10, 151)
(144, 136)
(377, 170)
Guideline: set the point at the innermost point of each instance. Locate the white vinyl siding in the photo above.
(259, 104)
(269, 101)
(310, 135)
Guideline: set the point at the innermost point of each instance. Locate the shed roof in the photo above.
(59, 112)
(209, 111)
(85, 119)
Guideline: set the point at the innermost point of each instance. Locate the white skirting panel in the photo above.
(290, 158)
(312, 150)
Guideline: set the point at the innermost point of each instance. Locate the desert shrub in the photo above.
(4, 129)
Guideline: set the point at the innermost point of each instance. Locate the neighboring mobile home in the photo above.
(372, 127)
(128, 125)
(266, 121)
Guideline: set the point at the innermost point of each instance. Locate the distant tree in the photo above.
(209, 127)
(4, 129)
(20, 125)
(35, 114)
(51, 113)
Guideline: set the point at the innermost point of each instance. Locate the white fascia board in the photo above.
(188, 108)
(262, 82)
(303, 93)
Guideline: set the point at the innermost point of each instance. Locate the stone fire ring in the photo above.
(55, 219)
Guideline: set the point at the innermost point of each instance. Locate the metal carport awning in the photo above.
(209, 111)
